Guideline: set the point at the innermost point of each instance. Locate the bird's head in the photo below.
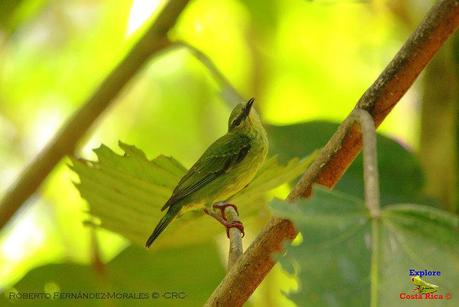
(243, 117)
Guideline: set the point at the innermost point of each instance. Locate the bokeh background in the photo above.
(302, 60)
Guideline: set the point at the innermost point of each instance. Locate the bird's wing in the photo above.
(219, 158)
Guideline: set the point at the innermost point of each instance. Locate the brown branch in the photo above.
(340, 151)
(152, 42)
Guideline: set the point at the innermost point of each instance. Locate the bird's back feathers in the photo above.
(219, 158)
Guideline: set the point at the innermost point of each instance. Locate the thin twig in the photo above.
(65, 141)
(229, 92)
(231, 291)
(235, 237)
(341, 150)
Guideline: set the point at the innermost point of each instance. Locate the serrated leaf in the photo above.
(126, 193)
(335, 260)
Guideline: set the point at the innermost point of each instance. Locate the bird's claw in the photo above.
(222, 205)
(234, 224)
(222, 217)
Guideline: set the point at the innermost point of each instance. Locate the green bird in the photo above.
(225, 168)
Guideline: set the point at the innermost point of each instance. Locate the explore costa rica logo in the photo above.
(424, 290)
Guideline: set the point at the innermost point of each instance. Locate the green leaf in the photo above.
(132, 271)
(127, 192)
(335, 263)
(401, 177)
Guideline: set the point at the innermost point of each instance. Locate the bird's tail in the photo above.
(167, 218)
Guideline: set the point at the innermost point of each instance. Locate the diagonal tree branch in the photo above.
(151, 43)
(245, 276)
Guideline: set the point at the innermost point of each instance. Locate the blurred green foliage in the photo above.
(130, 272)
(400, 173)
(302, 60)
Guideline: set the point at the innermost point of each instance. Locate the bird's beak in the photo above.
(248, 106)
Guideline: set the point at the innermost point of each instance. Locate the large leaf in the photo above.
(337, 266)
(127, 192)
(400, 173)
(133, 271)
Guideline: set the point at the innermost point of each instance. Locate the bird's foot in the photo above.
(222, 205)
(222, 220)
(234, 224)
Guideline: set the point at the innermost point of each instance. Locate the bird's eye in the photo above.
(236, 122)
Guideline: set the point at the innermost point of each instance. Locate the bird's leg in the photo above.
(221, 206)
(224, 222)
(215, 215)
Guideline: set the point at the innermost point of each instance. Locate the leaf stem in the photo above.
(371, 178)
(374, 269)
(370, 161)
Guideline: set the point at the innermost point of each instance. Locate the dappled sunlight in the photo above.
(47, 122)
(25, 237)
(140, 12)
(27, 243)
